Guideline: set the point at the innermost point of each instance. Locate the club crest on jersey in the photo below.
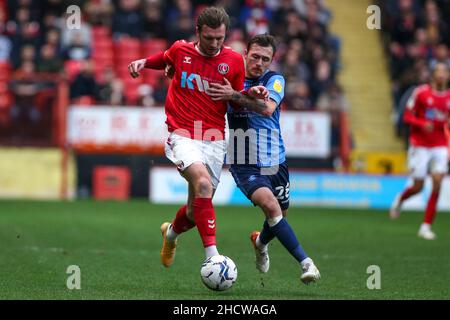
(187, 59)
(223, 68)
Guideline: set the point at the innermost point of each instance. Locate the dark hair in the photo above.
(263, 40)
(213, 17)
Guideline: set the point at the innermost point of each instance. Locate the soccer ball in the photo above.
(218, 273)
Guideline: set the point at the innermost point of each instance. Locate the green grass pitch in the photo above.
(116, 245)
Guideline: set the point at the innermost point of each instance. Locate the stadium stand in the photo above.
(416, 34)
(115, 32)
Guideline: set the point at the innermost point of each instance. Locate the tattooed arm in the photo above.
(256, 99)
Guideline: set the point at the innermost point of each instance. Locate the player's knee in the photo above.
(417, 187)
(270, 207)
(203, 187)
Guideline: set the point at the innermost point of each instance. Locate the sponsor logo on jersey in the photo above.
(434, 114)
(223, 68)
(277, 86)
(202, 85)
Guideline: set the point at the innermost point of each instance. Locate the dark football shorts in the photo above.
(249, 178)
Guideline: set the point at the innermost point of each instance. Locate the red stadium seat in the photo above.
(153, 46)
(104, 43)
(100, 32)
(3, 87)
(103, 56)
(5, 65)
(5, 70)
(131, 87)
(127, 46)
(5, 101)
(152, 77)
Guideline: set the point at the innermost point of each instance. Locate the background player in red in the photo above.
(428, 114)
(196, 122)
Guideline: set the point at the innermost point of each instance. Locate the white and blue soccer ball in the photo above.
(218, 272)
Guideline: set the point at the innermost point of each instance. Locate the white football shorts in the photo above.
(183, 152)
(422, 160)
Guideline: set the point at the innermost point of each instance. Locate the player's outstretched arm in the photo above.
(156, 62)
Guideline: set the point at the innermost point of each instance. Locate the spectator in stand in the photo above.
(153, 21)
(84, 83)
(110, 90)
(182, 28)
(298, 97)
(24, 87)
(180, 8)
(27, 53)
(22, 30)
(280, 14)
(293, 68)
(127, 19)
(255, 16)
(236, 40)
(233, 8)
(99, 12)
(52, 37)
(5, 47)
(77, 49)
(160, 90)
(146, 98)
(332, 99)
(441, 54)
(294, 27)
(49, 61)
(321, 79)
(68, 34)
(316, 8)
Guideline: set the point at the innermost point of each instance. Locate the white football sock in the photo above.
(261, 246)
(211, 251)
(274, 221)
(171, 235)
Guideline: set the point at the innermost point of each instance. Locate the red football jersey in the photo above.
(187, 101)
(428, 105)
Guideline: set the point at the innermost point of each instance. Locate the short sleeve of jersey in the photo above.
(169, 54)
(275, 85)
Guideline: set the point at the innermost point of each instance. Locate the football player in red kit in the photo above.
(196, 121)
(428, 114)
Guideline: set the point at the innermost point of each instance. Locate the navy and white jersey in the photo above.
(256, 139)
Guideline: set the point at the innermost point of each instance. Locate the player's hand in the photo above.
(220, 91)
(259, 92)
(135, 67)
(169, 71)
(428, 127)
